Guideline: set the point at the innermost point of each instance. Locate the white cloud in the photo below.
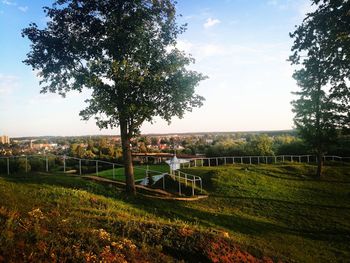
(7, 84)
(23, 8)
(211, 22)
(306, 8)
(8, 2)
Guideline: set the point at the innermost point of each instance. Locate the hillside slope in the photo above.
(253, 214)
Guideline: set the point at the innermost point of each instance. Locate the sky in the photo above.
(241, 45)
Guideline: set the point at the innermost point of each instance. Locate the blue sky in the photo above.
(241, 45)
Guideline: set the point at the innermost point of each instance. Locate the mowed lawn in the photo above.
(139, 171)
(279, 212)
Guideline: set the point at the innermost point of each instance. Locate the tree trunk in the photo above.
(127, 159)
(319, 164)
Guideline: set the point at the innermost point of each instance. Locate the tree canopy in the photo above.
(125, 52)
(327, 29)
(322, 53)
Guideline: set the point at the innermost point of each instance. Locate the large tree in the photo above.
(125, 52)
(329, 26)
(321, 50)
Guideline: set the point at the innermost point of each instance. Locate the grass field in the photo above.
(266, 212)
(139, 171)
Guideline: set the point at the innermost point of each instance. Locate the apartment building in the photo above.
(4, 139)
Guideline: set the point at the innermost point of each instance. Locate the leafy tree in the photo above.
(320, 49)
(124, 51)
(260, 145)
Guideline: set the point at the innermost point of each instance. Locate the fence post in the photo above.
(282, 158)
(193, 186)
(114, 172)
(217, 161)
(308, 158)
(209, 162)
(202, 162)
(224, 160)
(275, 159)
(195, 163)
(241, 160)
(258, 159)
(201, 185)
(250, 160)
(26, 164)
(64, 163)
(266, 159)
(8, 166)
(96, 167)
(186, 179)
(179, 182)
(299, 159)
(80, 166)
(47, 164)
(163, 181)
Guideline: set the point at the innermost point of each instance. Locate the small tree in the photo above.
(124, 51)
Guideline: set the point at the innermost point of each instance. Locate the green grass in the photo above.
(139, 171)
(277, 211)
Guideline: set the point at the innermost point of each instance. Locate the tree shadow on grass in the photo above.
(234, 223)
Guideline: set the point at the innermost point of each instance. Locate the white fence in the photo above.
(217, 161)
(79, 163)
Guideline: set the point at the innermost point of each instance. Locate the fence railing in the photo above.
(217, 161)
(186, 178)
(70, 164)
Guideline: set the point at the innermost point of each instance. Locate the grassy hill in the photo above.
(253, 213)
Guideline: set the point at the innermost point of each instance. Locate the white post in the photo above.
(258, 159)
(250, 160)
(195, 163)
(209, 162)
(186, 179)
(283, 158)
(308, 158)
(241, 160)
(64, 164)
(80, 166)
(193, 186)
(275, 159)
(266, 159)
(96, 167)
(8, 166)
(179, 182)
(217, 161)
(202, 162)
(47, 164)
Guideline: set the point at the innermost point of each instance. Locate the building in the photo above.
(4, 139)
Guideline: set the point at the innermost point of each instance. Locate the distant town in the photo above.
(184, 144)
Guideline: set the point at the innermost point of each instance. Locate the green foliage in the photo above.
(328, 28)
(321, 50)
(23, 165)
(125, 52)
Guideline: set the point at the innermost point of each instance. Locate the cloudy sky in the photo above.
(241, 45)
